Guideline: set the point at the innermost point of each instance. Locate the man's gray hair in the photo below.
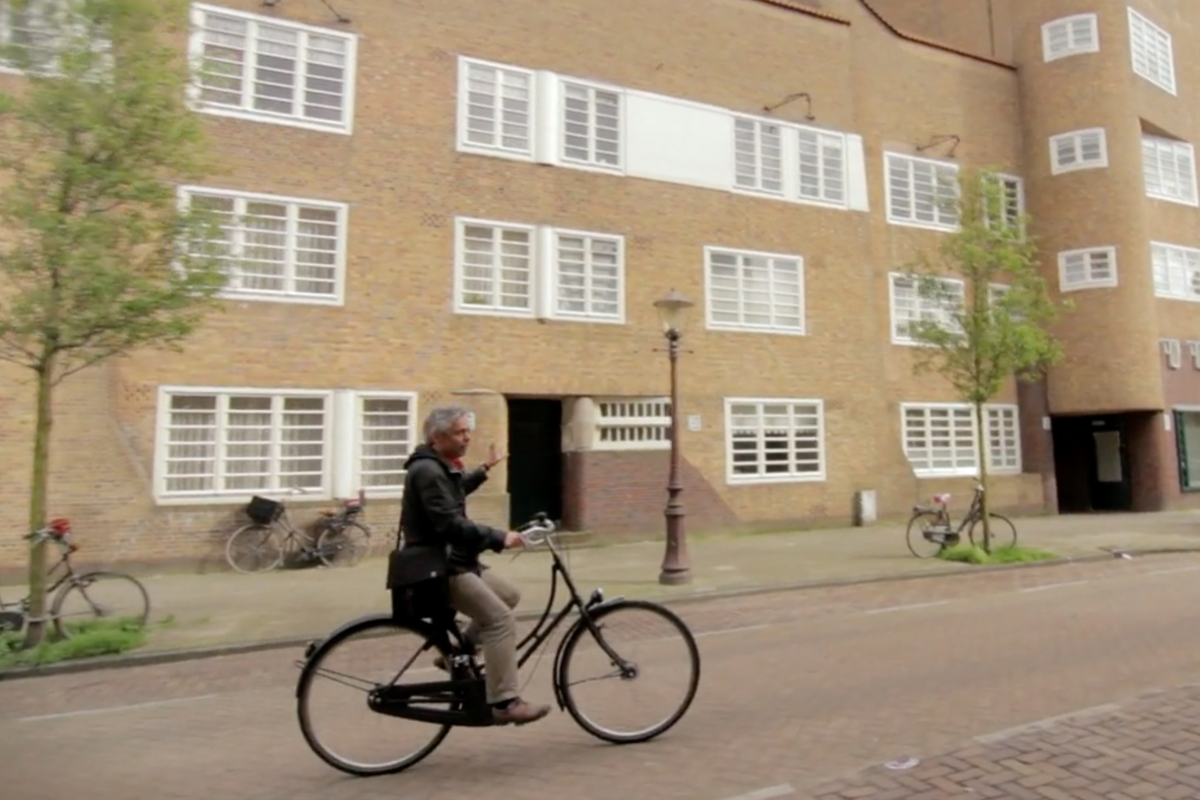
(442, 419)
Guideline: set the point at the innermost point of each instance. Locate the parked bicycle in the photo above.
(930, 530)
(78, 594)
(340, 540)
(379, 643)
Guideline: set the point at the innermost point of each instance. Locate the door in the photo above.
(534, 458)
(1111, 487)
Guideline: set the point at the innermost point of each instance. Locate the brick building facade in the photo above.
(479, 202)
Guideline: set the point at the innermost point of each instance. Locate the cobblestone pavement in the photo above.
(1148, 747)
(797, 689)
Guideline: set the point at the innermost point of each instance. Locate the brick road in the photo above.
(798, 689)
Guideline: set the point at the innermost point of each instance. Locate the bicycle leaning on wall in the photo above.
(339, 540)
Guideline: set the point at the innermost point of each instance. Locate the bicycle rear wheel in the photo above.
(662, 682)
(254, 548)
(332, 698)
(93, 596)
(918, 545)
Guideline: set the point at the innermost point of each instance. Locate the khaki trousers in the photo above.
(489, 600)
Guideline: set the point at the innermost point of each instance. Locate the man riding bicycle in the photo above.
(433, 515)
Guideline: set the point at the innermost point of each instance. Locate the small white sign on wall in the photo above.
(471, 420)
(1045, 423)
(693, 422)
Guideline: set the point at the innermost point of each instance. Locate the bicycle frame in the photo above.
(464, 692)
(65, 558)
(942, 511)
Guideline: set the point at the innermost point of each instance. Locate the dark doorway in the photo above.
(1092, 466)
(534, 458)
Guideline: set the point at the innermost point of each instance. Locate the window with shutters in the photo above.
(494, 268)
(921, 192)
(1076, 150)
(1089, 268)
(495, 109)
(1151, 52)
(1176, 271)
(271, 70)
(588, 275)
(1169, 170)
(775, 440)
(753, 291)
(591, 125)
(758, 156)
(1011, 202)
(385, 435)
(1070, 36)
(632, 423)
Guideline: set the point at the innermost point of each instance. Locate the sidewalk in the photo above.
(229, 609)
(1145, 748)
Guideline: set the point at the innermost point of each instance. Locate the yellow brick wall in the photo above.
(405, 183)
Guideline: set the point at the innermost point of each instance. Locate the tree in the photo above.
(990, 310)
(97, 255)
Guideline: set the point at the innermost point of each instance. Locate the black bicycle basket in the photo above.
(263, 510)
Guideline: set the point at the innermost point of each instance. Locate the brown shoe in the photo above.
(518, 712)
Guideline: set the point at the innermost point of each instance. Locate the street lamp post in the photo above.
(676, 565)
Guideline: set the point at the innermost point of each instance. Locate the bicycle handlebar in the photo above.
(537, 530)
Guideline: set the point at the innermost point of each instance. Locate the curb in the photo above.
(216, 651)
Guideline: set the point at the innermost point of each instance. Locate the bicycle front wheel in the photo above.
(253, 548)
(1002, 533)
(95, 596)
(643, 664)
(333, 690)
(343, 545)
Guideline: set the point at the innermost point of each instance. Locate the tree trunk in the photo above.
(37, 504)
(981, 449)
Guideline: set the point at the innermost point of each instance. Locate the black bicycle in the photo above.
(930, 530)
(360, 659)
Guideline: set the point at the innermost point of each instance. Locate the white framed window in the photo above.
(1176, 271)
(775, 440)
(34, 31)
(822, 166)
(1151, 52)
(939, 438)
(385, 435)
(515, 269)
(217, 443)
(758, 155)
(494, 267)
(921, 192)
(1003, 438)
(1173, 350)
(632, 423)
(589, 275)
(1012, 201)
(1169, 169)
(909, 305)
(269, 70)
(1070, 36)
(592, 119)
(495, 109)
(752, 291)
(1076, 150)
(1088, 268)
(277, 248)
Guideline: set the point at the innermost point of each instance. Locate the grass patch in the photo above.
(88, 638)
(1011, 554)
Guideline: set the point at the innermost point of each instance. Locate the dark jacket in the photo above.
(433, 512)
